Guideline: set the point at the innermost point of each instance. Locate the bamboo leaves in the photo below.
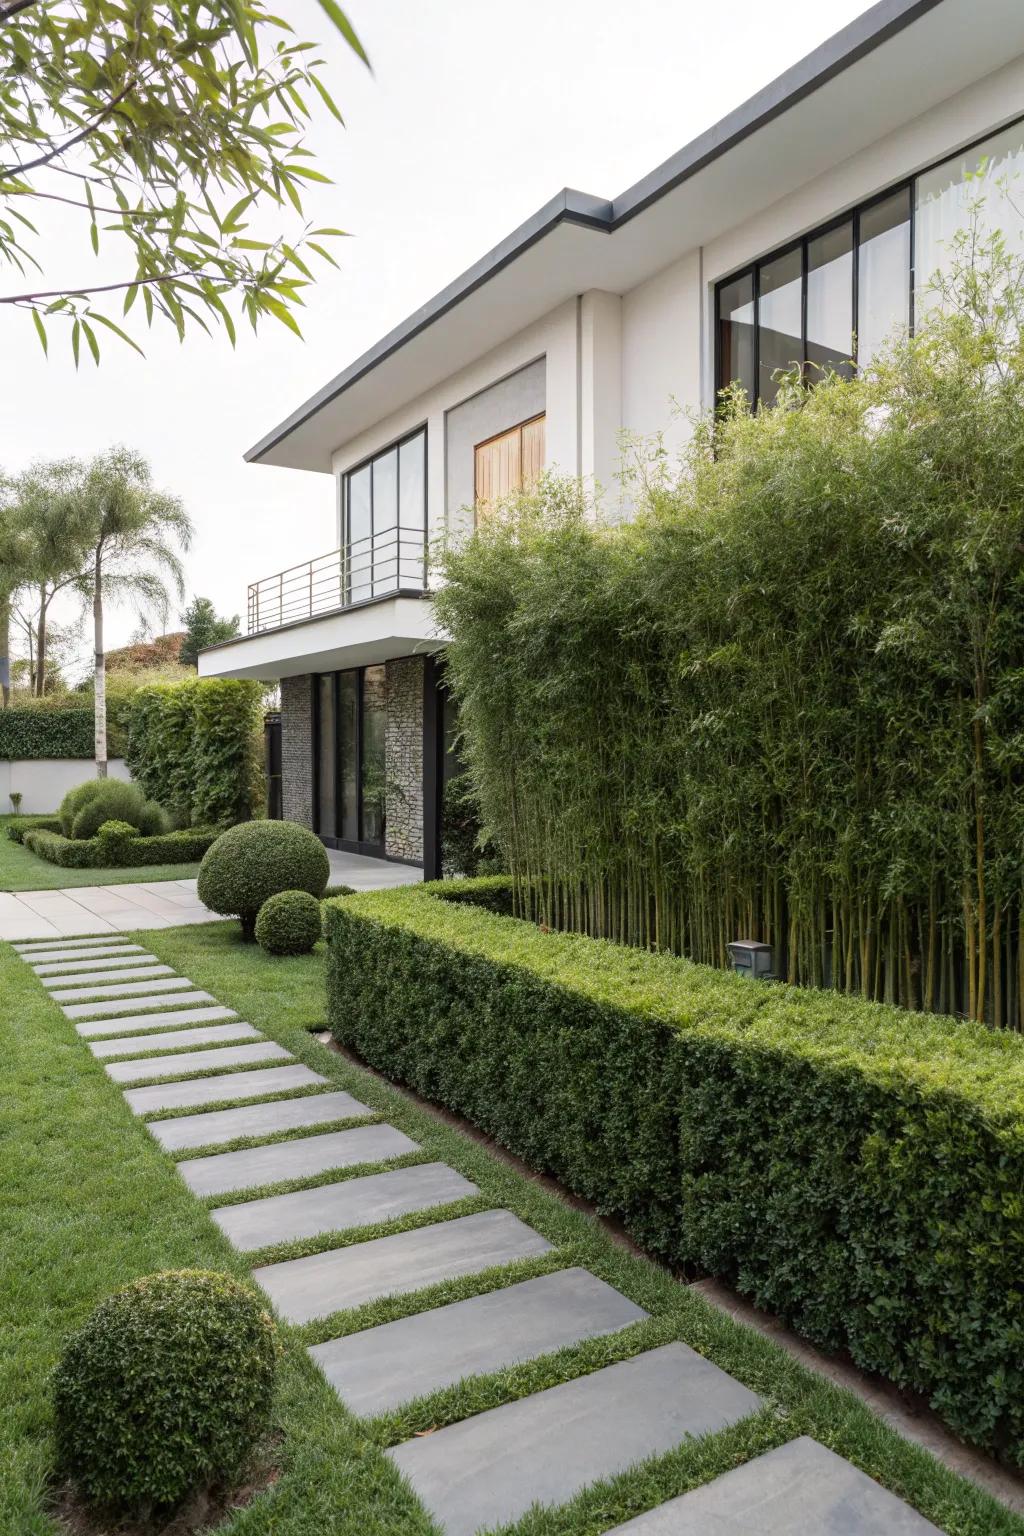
(786, 701)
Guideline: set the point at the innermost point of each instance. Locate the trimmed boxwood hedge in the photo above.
(492, 892)
(131, 853)
(854, 1168)
(17, 826)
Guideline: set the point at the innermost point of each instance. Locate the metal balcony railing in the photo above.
(394, 560)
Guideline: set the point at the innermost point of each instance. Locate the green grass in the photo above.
(91, 1202)
(21, 870)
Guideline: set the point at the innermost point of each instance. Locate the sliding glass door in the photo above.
(348, 743)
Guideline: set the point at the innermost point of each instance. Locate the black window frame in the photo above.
(335, 839)
(852, 214)
(391, 586)
(752, 269)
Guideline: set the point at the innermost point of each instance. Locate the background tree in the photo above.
(48, 498)
(14, 549)
(63, 649)
(203, 627)
(133, 531)
(168, 124)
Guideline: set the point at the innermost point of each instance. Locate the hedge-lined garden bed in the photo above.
(855, 1169)
(124, 852)
(17, 827)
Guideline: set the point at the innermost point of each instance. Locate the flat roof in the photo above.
(292, 443)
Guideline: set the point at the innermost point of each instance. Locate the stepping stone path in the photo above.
(96, 960)
(82, 978)
(159, 1020)
(167, 1040)
(108, 1009)
(181, 1063)
(545, 1448)
(489, 1469)
(798, 1489)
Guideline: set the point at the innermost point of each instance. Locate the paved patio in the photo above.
(88, 909)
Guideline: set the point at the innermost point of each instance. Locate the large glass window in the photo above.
(348, 756)
(832, 299)
(779, 320)
(385, 505)
(372, 768)
(883, 273)
(989, 179)
(736, 333)
(350, 768)
(326, 767)
(829, 344)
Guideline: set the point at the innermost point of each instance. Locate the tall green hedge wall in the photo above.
(49, 729)
(853, 1168)
(36, 733)
(195, 748)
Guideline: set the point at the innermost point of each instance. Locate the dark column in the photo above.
(433, 768)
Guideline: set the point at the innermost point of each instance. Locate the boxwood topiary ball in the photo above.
(165, 1390)
(289, 923)
(257, 860)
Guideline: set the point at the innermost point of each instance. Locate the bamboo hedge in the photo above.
(785, 701)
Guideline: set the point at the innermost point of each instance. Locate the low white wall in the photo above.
(44, 781)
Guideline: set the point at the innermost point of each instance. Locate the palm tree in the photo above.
(132, 531)
(50, 511)
(13, 566)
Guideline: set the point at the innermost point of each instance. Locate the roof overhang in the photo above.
(898, 60)
(356, 637)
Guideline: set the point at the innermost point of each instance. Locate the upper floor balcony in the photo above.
(391, 562)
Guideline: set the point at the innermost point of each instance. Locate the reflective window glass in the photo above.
(987, 180)
(830, 302)
(326, 756)
(359, 505)
(736, 333)
(883, 273)
(373, 785)
(779, 315)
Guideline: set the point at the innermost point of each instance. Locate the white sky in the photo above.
(473, 118)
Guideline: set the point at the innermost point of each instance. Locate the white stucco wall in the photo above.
(45, 781)
(553, 338)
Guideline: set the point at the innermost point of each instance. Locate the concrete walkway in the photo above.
(486, 1470)
(155, 903)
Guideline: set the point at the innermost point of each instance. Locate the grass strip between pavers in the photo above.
(348, 1237)
(88, 1232)
(171, 1079)
(339, 1175)
(247, 1143)
(299, 1091)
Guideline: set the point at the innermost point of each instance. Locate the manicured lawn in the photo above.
(90, 1202)
(21, 870)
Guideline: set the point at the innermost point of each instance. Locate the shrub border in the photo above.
(852, 1167)
(184, 847)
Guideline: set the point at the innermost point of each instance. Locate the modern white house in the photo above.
(803, 226)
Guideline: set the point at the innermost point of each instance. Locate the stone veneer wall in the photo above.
(297, 749)
(403, 757)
